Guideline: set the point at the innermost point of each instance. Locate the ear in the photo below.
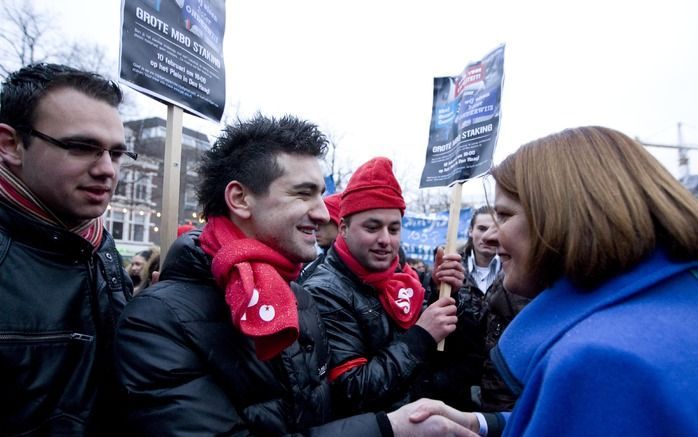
(237, 200)
(343, 227)
(10, 150)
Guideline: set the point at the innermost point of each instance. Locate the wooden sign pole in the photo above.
(170, 192)
(451, 238)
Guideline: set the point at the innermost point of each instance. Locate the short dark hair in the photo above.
(486, 209)
(246, 151)
(23, 89)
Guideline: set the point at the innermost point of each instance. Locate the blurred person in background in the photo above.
(136, 265)
(148, 269)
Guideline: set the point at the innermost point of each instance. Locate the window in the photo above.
(203, 145)
(123, 183)
(141, 187)
(138, 226)
(192, 166)
(117, 225)
(153, 132)
(190, 200)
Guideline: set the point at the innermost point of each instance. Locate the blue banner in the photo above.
(423, 233)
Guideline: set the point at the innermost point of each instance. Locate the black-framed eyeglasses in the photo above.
(87, 151)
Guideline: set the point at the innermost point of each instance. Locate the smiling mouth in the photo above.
(97, 190)
(309, 231)
(381, 253)
(504, 256)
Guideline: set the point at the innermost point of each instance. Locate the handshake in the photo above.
(427, 417)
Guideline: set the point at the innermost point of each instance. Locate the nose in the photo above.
(384, 236)
(318, 212)
(104, 167)
(491, 236)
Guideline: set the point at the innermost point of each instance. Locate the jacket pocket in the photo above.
(44, 374)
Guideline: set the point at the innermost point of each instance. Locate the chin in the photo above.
(379, 266)
(307, 256)
(520, 286)
(93, 212)
(511, 284)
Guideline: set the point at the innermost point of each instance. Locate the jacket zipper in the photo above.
(50, 337)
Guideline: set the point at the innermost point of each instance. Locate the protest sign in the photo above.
(464, 122)
(172, 50)
(463, 134)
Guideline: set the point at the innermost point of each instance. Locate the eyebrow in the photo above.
(307, 186)
(375, 221)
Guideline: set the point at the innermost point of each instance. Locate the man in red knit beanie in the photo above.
(371, 301)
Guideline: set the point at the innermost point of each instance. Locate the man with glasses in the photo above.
(61, 279)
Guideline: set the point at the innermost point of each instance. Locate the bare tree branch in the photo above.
(28, 37)
(24, 30)
(340, 173)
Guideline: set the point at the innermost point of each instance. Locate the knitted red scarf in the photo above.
(255, 279)
(15, 193)
(400, 292)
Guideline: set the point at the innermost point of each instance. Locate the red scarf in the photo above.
(14, 192)
(400, 292)
(255, 279)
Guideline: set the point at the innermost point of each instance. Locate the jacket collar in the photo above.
(333, 260)
(186, 261)
(26, 230)
(557, 309)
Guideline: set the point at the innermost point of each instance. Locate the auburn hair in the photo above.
(597, 203)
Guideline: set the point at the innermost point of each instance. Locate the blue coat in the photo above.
(621, 360)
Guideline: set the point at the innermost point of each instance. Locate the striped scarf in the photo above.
(16, 194)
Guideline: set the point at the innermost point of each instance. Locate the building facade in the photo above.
(134, 215)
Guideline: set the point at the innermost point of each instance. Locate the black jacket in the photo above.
(358, 327)
(502, 307)
(460, 366)
(310, 268)
(59, 304)
(189, 371)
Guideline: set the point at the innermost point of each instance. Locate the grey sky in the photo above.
(363, 69)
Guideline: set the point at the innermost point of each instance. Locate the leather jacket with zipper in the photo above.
(60, 302)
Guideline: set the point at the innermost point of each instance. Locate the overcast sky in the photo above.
(363, 69)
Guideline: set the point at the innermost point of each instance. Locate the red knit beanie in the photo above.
(332, 204)
(372, 186)
(182, 229)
